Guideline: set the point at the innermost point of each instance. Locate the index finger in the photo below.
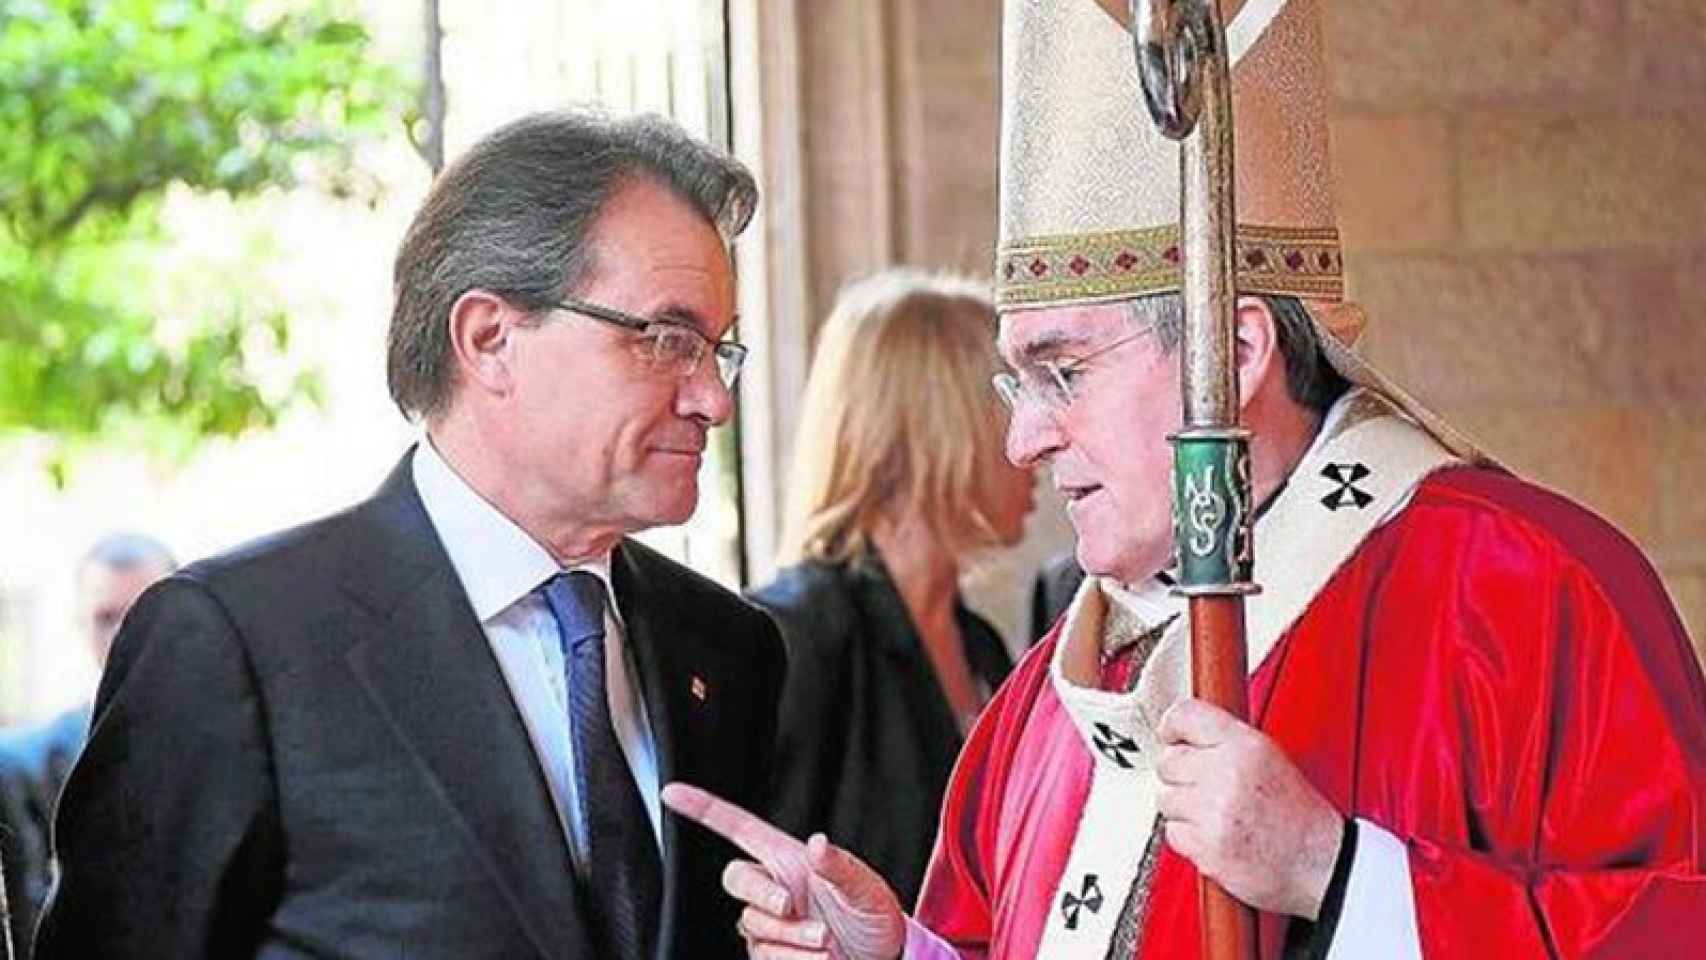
(776, 850)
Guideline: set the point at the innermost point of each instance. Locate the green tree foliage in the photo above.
(105, 106)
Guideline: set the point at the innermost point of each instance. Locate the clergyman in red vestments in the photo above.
(1477, 724)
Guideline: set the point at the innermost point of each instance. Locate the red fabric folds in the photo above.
(1496, 677)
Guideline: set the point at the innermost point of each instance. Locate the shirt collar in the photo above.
(497, 562)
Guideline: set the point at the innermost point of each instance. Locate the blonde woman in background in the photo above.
(898, 480)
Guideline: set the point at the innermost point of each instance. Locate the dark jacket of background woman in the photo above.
(866, 739)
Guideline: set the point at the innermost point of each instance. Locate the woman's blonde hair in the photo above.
(898, 412)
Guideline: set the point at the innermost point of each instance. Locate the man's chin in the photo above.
(672, 515)
(664, 505)
(1105, 560)
(679, 510)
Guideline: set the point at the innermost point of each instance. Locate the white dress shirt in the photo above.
(501, 569)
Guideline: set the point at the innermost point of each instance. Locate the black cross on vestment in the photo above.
(1346, 493)
(1114, 745)
(1088, 898)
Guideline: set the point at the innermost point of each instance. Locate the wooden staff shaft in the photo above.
(1211, 483)
(1209, 388)
(1218, 676)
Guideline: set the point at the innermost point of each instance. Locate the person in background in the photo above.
(34, 761)
(898, 482)
(1052, 591)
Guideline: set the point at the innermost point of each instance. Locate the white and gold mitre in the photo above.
(1090, 187)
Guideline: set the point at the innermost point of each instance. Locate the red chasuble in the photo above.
(1494, 676)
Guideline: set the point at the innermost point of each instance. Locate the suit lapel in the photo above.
(427, 665)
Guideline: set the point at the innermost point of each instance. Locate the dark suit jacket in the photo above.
(34, 762)
(306, 748)
(867, 738)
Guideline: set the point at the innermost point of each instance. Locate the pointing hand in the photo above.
(810, 899)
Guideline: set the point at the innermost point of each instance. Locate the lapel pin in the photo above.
(698, 688)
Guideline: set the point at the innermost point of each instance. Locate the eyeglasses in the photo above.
(1050, 381)
(673, 348)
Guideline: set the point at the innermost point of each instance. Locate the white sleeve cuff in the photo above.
(1378, 918)
(921, 944)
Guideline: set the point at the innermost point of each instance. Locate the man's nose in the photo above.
(704, 397)
(1033, 434)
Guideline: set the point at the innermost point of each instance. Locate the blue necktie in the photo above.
(625, 877)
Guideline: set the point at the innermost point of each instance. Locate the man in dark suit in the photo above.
(434, 725)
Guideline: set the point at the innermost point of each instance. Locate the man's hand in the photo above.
(1236, 806)
(802, 900)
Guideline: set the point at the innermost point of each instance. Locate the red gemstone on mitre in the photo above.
(1172, 255)
(1039, 266)
(1079, 265)
(1009, 270)
(1256, 258)
(1326, 260)
(1126, 260)
(1294, 260)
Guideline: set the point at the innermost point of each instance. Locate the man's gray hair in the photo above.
(511, 216)
(1310, 379)
(124, 551)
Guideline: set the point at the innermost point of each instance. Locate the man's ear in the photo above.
(1256, 349)
(482, 328)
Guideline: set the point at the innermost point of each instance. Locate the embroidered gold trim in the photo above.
(1065, 268)
(1122, 629)
(1128, 930)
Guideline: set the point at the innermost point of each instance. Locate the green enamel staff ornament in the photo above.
(1182, 59)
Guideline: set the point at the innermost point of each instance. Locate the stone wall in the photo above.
(1522, 191)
